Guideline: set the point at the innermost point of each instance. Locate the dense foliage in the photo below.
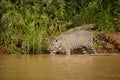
(25, 24)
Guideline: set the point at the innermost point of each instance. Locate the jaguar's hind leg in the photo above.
(84, 50)
(92, 48)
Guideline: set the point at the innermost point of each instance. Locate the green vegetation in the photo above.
(25, 24)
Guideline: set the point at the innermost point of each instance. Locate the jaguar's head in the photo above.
(54, 46)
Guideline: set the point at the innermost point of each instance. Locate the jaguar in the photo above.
(66, 43)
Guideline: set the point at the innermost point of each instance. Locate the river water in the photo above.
(59, 67)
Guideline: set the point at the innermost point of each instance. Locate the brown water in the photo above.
(59, 67)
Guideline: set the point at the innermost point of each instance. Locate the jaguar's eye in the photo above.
(56, 40)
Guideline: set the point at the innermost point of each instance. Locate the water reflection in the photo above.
(59, 67)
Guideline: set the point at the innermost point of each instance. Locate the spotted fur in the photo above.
(65, 43)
